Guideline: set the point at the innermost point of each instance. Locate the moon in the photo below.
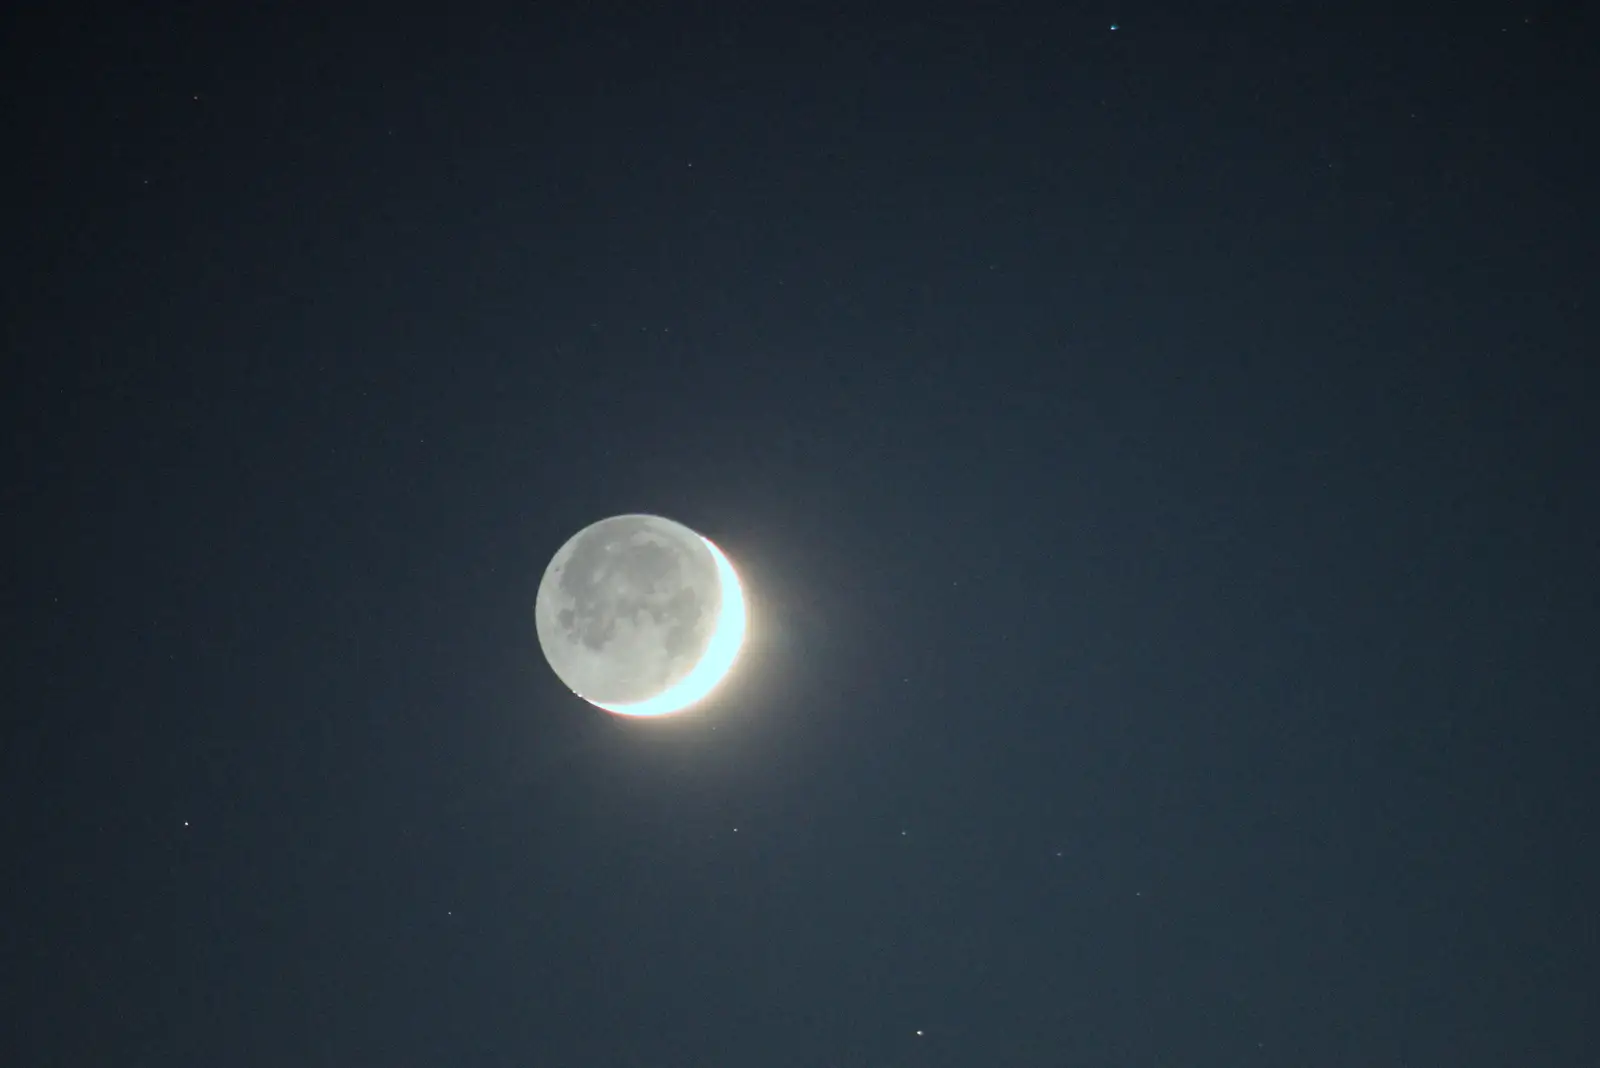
(640, 615)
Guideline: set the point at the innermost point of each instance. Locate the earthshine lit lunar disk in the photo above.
(640, 615)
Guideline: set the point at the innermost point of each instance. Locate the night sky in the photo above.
(1156, 443)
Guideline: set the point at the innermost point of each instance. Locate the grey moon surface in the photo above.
(627, 607)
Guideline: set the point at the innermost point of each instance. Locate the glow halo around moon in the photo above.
(640, 615)
(714, 663)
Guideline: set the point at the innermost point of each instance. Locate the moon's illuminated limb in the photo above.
(714, 663)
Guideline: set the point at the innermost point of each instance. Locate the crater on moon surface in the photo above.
(627, 608)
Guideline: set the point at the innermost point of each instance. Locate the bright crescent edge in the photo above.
(721, 651)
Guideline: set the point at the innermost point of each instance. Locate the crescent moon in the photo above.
(721, 651)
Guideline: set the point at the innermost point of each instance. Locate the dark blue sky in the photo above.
(1160, 460)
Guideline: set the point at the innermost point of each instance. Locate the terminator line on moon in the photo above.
(640, 615)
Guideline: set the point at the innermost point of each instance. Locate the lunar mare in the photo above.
(640, 615)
